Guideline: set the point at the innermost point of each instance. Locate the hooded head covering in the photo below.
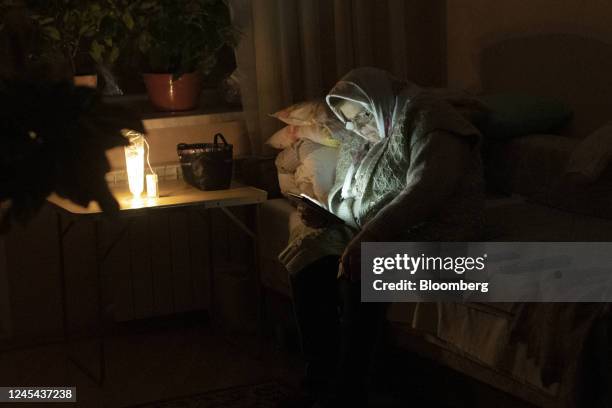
(377, 91)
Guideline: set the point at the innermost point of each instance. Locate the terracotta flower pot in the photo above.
(168, 94)
(90, 81)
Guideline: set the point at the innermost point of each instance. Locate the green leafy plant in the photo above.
(82, 33)
(181, 36)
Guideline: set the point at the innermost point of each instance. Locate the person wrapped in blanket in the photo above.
(409, 170)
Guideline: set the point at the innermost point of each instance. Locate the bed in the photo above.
(575, 69)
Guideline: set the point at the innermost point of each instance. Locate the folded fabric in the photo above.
(515, 115)
(593, 155)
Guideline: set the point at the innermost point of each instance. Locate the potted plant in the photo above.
(179, 41)
(83, 35)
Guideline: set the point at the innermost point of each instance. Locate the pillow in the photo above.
(287, 161)
(291, 134)
(314, 173)
(593, 155)
(283, 138)
(306, 114)
(292, 157)
(317, 168)
(515, 115)
(287, 184)
(309, 147)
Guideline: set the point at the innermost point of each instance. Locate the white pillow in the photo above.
(291, 134)
(306, 114)
(317, 171)
(287, 184)
(317, 134)
(288, 160)
(284, 138)
(314, 173)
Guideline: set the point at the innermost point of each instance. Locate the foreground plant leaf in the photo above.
(53, 138)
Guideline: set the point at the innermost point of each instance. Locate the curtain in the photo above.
(295, 50)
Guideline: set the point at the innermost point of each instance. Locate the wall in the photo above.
(472, 24)
(165, 133)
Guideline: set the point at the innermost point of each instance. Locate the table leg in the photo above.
(253, 232)
(240, 224)
(62, 276)
(100, 335)
(100, 307)
(100, 258)
(261, 304)
(207, 218)
(62, 231)
(211, 266)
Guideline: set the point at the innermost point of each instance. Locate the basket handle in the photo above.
(216, 139)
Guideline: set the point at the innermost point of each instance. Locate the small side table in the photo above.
(173, 194)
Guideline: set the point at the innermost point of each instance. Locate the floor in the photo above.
(149, 362)
(427, 384)
(151, 365)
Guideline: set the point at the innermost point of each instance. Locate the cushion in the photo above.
(309, 147)
(291, 134)
(283, 138)
(306, 114)
(287, 184)
(317, 170)
(288, 160)
(514, 115)
(307, 162)
(307, 167)
(317, 134)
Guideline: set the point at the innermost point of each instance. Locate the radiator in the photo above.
(162, 264)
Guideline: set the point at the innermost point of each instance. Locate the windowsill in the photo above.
(207, 113)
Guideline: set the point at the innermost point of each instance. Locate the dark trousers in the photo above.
(337, 330)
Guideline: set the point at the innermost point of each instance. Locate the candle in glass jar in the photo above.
(152, 186)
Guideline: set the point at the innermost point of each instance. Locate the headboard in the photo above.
(573, 68)
(557, 48)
